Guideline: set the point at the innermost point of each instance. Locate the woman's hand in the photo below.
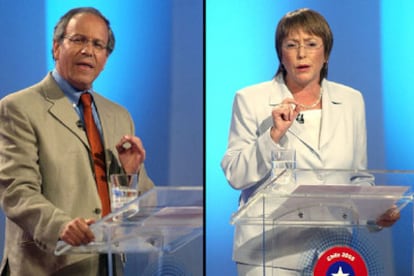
(389, 217)
(283, 116)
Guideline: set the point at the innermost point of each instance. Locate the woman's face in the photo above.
(303, 57)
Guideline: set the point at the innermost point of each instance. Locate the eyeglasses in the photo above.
(308, 45)
(81, 40)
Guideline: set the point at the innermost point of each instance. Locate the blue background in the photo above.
(155, 71)
(372, 52)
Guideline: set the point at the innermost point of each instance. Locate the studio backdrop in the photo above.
(371, 52)
(155, 71)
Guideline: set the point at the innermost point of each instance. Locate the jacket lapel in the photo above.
(105, 117)
(332, 112)
(62, 109)
(107, 123)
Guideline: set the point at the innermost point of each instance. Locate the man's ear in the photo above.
(56, 49)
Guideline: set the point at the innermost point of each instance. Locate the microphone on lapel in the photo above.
(300, 118)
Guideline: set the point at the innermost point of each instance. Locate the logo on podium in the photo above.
(340, 261)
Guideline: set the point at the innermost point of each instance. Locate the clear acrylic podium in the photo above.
(158, 223)
(322, 222)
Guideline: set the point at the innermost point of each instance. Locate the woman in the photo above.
(323, 121)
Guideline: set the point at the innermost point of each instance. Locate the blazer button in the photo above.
(97, 211)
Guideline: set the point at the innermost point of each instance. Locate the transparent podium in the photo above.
(157, 225)
(323, 222)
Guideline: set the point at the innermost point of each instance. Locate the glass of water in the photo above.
(283, 165)
(124, 189)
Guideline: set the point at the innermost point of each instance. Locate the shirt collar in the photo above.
(71, 92)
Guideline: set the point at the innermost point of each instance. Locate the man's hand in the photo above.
(77, 232)
(131, 153)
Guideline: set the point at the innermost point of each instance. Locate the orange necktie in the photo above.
(97, 153)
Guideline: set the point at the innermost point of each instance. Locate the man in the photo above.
(48, 190)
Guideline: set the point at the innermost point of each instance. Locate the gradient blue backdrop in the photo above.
(372, 53)
(156, 71)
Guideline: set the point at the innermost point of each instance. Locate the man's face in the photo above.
(77, 61)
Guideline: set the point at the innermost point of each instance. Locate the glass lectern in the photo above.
(323, 222)
(158, 223)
